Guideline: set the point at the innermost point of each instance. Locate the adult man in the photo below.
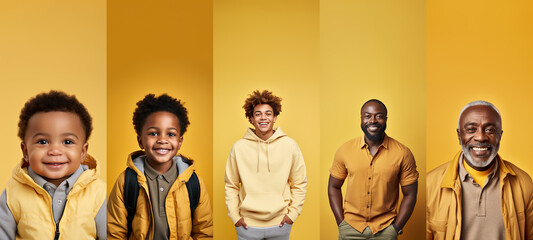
(375, 166)
(478, 195)
(265, 175)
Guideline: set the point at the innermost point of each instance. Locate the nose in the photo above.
(372, 119)
(263, 116)
(480, 135)
(54, 150)
(162, 138)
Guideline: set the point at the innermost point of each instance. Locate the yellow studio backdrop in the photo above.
(270, 45)
(371, 50)
(160, 47)
(49, 45)
(479, 51)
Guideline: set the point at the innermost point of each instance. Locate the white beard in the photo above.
(482, 164)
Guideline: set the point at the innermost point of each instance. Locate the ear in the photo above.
(84, 151)
(24, 151)
(458, 135)
(274, 119)
(139, 141)
(180, 141)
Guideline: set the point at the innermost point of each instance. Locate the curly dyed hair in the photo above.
(50, 102)
(151, 104)
(257, 98)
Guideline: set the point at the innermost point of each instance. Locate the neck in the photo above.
(160, 167)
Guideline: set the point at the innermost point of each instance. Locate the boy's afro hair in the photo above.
(151, 104)
(50, 102)
(257, 98)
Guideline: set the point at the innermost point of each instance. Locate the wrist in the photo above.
(398, 229)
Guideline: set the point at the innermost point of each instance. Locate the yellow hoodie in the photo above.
(265, 180)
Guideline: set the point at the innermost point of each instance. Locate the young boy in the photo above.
(163, 208)
(55, 192)
(265, 174)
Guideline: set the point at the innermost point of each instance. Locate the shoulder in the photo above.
(395, 144)
(522, 176)
(437, 173)
(350, 144)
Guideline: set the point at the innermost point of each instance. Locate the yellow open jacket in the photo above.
(443, 210)
(176, 204)
(31, 205)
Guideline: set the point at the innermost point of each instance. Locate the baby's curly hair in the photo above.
(151, 104)
(50, 102)
(257, 98)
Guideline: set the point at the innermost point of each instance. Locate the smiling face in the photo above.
(161, 139)
(263, 120)
(479, 135)
(54, 145)
(374, 121)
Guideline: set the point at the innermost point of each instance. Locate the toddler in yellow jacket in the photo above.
(162, 209)
(55, 192)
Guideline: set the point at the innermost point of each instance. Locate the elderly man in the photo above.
(375, 166)
(478, 195)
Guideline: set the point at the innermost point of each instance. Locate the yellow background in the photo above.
(48, 45)
(160, 47)
(270, 45)
(371, 50)
(480, 50)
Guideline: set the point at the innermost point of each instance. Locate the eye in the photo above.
(269, 114)
(490, 130)
(68, 142)
(471, 129)
(152, 134)
(380, 116)
(171, 134)
(42, 141)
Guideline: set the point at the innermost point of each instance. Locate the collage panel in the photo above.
(63, 51)
(270, 46)
(371, 50)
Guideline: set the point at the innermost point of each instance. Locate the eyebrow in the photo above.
(48, 135)
(156, 128)
(260, 111)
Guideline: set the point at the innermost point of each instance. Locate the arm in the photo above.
(232, 188)
(202, 225)
(298, 185)
(335, 198)
(101, 222)
(116, 211)
(407, 206)
(8, 228)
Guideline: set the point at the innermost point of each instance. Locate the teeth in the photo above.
(162, 151)
(479, 149)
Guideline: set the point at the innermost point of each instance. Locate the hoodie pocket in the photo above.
(263, 206)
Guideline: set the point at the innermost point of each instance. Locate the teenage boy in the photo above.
(55, 192)
(265, 174)
(163, 209)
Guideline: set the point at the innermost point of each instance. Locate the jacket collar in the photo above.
(452, 173)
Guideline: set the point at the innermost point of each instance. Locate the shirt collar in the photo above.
(384, 144)
(152, 174)
(69, 182)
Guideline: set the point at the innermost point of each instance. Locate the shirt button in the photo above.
(59, 201)
(369, 178)
(161, 189)
(368, 192)
(366, 206)
(160, 177)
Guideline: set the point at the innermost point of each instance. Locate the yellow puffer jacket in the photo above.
(443, 210)
(31, 205)
(176, 204)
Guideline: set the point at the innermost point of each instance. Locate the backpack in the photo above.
(131, 192)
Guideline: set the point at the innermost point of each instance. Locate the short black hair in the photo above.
(54, 101)
(151, 104)
(377, 101)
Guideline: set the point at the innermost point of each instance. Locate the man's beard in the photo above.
(378, 136)
(492, 157)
